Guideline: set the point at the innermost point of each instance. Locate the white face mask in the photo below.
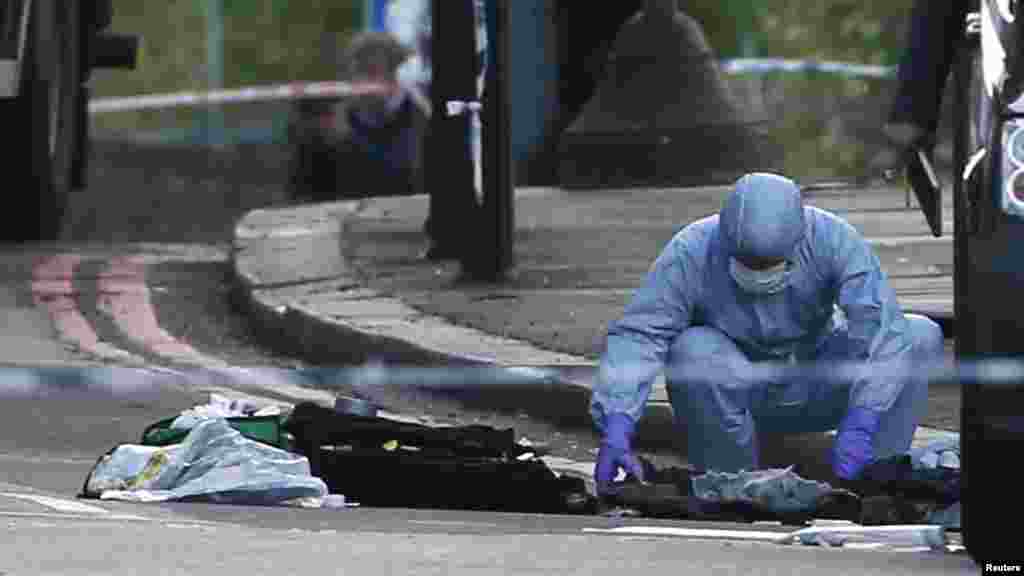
(768, 281)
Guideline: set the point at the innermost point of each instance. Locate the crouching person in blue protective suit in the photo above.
(767, 280)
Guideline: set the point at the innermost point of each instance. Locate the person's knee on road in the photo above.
(710, 389)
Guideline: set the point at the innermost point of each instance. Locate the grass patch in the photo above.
(265, 42)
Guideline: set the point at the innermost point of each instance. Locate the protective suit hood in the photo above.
(762, 218)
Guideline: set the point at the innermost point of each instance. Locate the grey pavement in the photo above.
(345, 283)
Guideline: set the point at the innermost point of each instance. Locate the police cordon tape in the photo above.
(134, 382)
(847, 69)
(292, 91)
(300, 90)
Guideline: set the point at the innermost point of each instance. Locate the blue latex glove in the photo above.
(854, 446)
(616, 452)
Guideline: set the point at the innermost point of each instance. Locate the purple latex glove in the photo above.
(854, 446)
(616, 452)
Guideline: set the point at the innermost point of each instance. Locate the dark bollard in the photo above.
(662, 115)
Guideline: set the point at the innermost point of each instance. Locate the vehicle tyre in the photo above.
(43, 122)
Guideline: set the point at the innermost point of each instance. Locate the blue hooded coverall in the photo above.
(836, 305)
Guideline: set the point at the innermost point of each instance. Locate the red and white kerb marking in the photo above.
(123, 297)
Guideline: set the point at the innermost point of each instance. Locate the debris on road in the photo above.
(230, 451)
(774, 489)
(214, 463)
(317, 456)
(384, 463)
(913, 488)
(220, 407)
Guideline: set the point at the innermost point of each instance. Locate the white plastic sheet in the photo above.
(220, 407)
(214, 463)
(778, 490)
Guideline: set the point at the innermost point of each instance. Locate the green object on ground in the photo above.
(265, 429)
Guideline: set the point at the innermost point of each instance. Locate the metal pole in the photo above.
(499, 201)
(214, 14)
(448, 163)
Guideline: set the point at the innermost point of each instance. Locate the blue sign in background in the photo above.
(375, 12)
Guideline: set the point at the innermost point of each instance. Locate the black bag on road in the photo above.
(383, 463)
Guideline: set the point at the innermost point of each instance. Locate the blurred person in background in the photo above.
(362, 145)
(934, 32)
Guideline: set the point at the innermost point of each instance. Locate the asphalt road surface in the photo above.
(141, 281)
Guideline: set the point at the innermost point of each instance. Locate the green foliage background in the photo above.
(265, 42)
(819, 118)
(828, 125)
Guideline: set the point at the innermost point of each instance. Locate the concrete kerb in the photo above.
(389, 330)
(332, 319)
